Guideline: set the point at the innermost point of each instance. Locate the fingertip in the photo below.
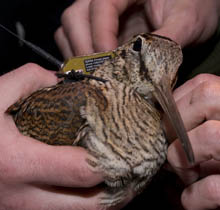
(76, 26)
(21, 82)
(65, 166)
(37, 74)
(169, 33)
(174, 27)
(63, 43)
(104, 24)
(29, 72)
(185, 198)
(192, 198)
(83, 174)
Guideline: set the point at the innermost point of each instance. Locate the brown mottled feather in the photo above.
(52, 114)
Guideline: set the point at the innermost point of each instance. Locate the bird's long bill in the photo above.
(164, 96)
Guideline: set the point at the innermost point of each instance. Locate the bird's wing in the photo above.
(52, 114)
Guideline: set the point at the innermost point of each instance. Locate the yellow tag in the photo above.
(87, 64)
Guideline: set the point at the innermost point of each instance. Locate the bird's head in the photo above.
(148, 58)
(150, 65)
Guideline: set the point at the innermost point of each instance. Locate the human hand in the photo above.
(97, 25)
(34, 175)
(199, 103)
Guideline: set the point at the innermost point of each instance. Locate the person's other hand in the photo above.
(96, 25)
(199, 103)
(34, 175)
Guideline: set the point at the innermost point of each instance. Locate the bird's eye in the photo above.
(137, 45)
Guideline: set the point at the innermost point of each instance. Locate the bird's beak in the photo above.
(164, 96)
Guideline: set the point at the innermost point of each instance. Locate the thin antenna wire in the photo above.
(77, 76)
(36, 49)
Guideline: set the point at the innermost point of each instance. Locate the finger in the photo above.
(205, 169)
(188, 22)
(45, 197)
(173, 30)
(174, 18)
(197, 100)
(23, 81)
(204, 194)
(63, 43)
(76, 26)
(205, 144)
(201, 102)
(191, 84)
(105, 22)
(30, 161)
(177, 19)
(51, 197)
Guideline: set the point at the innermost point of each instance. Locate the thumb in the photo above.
(105, 22)
(178, 25)
(174, 33)
(22, 82)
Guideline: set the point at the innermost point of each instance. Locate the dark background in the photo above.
(40, 20)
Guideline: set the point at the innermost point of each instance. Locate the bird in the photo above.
(116, 118)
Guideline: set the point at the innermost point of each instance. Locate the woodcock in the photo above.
(117, 120)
